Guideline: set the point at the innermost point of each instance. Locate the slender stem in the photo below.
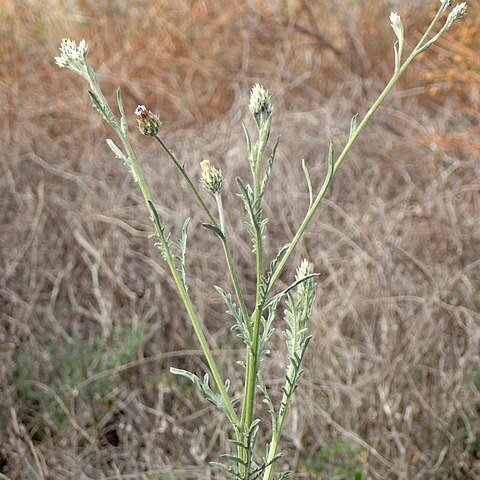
(185, 175)
(277, 433)
(137, 173)
(230, 264)
(252, 355)
(226, 246)
(311, 211)
(418, 49)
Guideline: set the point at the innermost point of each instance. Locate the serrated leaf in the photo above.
(203, 386)
(272, 267)
(268, 170)
(95, 101)
(228, 471)
(253, 208)
(267, 400)
(284, 475)
(241, 325)
(245, 464)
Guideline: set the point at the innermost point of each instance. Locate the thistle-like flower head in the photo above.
(73, 56)
(148, 122)
(260, 105)
(210, 177)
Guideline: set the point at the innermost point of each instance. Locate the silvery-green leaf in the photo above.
(118, 153)
(123, 119)
(353, 126)
(309, 183)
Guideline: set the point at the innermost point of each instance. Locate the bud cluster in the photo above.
(210, 177)
(148, 122)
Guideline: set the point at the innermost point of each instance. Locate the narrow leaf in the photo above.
(241, 325)
(215, 229)
(331, 159)
(123, 119)
(247, 137)
(118, 153)
(183, 254)
(353, 126)
(268, 170)
(104, 110)
(292, 286)
(309, 183)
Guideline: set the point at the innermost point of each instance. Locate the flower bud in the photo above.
(397, 25)
(148, 122)
(304, 269)
(458, 12)
(260, 105)
(210, 177)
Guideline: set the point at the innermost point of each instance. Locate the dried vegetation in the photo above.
(89, 323)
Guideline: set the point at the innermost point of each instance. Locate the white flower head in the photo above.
(260, 105)
(397, 25)
(395, 19)
(73, 56)
(458, 12)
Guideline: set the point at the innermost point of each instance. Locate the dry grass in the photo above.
(90, 322)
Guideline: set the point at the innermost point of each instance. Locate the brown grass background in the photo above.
(89, 320)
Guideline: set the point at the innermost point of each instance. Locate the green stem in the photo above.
(226, 246)
(311, 211)
(137, 173)
(277, 433)
(230, 264)
(252, 355)
(418, 49)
